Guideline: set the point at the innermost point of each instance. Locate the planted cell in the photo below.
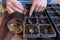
(56, 20)
(31, 29)
(31, 21)
(46, 30)
(43, 21)
(41, 14)
(50, 9)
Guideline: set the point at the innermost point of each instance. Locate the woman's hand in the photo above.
(18, 37)
(38, 5)
(14, 5)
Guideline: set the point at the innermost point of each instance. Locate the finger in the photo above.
(10, 10)
(14, 8)
(36, 8)
(44, 4)
(43, 8)
(17, 5)
(40, 8)
(32, 8)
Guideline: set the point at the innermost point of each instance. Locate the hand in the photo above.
(17, 37)
(38, 5)
(14, 5)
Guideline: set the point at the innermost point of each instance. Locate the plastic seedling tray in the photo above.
(31, 31)
(43, 21)
(30, 20)
(47, 31)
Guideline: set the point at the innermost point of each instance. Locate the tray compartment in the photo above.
(41, 14)
(31, 20)
(43, 21)
(31, 31)
(53, 14)
(56, 20)
(50, 9)
(47, 31)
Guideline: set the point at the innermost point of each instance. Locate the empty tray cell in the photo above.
(43, 21)
(58, 9)
(31, 29)
(52, 13)
(56, 20)
(41, 14)
(31, 20)
(50, 9)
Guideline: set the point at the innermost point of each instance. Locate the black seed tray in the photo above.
(41, 20)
